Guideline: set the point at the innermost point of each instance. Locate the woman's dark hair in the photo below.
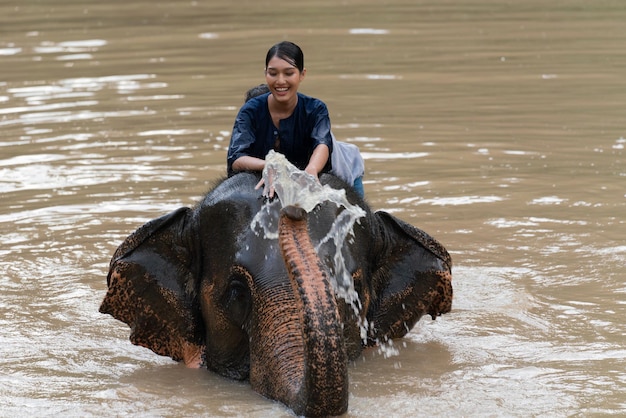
(287, 51)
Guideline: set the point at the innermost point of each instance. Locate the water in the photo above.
(294, 187)
(497, 127)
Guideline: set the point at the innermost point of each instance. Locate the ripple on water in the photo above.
(503, 352)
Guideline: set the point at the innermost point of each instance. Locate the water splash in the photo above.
(299, 188)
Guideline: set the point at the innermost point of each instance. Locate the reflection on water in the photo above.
(496, 127)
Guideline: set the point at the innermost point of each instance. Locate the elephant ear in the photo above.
(419, 237)
(151, 287)
(412, 277)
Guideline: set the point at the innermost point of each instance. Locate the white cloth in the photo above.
(347, 162)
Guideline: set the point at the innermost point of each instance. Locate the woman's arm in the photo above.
(321, 136)
(242, 142)
(318, 160)
(248, 163)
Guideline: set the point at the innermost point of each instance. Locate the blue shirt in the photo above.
(254, 133)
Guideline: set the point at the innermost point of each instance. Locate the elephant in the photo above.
(204, 287)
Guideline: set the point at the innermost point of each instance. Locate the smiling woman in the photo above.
(282, 120)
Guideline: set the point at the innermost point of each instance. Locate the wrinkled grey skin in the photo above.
(199, 285)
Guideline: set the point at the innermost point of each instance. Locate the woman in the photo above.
(283, 120)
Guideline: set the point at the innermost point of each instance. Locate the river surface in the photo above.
(497, 126)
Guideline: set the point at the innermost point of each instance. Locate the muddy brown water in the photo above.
(498, 127)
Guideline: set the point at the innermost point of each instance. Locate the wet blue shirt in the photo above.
(254, 133)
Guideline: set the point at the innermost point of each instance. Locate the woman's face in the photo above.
(283, 79)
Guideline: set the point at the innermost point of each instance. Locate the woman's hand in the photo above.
(268, 189)
(312, 171)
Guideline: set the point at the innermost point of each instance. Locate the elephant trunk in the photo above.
(319, 385)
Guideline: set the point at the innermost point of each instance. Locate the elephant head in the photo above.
(203, 286)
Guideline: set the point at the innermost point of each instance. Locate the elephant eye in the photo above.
(237, 300)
